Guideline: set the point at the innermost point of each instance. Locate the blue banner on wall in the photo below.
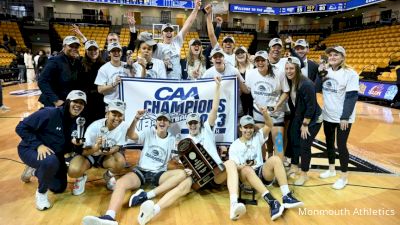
(154, 3)
(378, 90)
(253, 9)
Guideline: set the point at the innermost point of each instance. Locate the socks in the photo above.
(111, 213)
(156, 209)
(285, 189)
(233, 198)
(110, 173)
(151, 194)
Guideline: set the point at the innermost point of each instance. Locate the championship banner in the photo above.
(180, 98)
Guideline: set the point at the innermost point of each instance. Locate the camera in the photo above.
(149, 66)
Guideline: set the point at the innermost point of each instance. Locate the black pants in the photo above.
(342, 135)
(299, 146)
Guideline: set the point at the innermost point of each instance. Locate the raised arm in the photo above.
(190, 20)
(132, 129)
(133, 33)
(78, 33)
(210, 27)
(268, 121)
(212, 116)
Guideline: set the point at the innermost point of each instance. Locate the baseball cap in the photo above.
(194, 41)
(167, 25)
(228, 37)
(91, 43)
(241, 48)
(116, 105)
(339, 49)
(69, 40)
(147, 38)
(246, 120)
(215, 51)
(163, 114)
(77, 94)
(301, 42)
(293, 60)
(192, 117)
(113, 45)
(275, 41)
(263, 54)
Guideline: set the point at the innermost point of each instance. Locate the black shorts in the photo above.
(96, 161)
(258, 171)
(147, 177)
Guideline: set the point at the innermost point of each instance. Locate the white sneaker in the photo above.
(327, 174)
(340, 184)
(42, 201)
(110, 180)
(237, 210)
(79, 185)
(27, 174)
(146, 212)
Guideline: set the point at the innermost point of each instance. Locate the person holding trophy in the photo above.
(46, 137)
(104, 139)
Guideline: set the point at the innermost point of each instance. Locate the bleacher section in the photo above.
(12, 30)
(367, 50)
(6, 58)
(311, 39)
(240, 39)
(97, 33)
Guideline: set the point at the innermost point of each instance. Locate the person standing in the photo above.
(340, 87)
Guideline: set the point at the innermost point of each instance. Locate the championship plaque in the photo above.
(196, 158)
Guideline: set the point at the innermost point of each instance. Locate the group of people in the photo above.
(278, 98)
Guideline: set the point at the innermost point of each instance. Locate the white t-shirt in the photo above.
(158, 70)
(206, 138)
(304, 70)
(156, 151)
(279, 67)
(239, 152)
(173, 51)
(117, 135)
(107, 75)
(229, 58)
(229, 71)
(266, 91)
(334, 92)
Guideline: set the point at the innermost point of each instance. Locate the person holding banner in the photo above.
(109, 75)
(246, 153)
(104, 139)
(46, 137)
(147, 66)
(169, 50)
(305, 119)
(158, 149)
(269, 90)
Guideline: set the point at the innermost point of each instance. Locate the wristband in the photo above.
(305, 124)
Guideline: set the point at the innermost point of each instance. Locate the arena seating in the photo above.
(12, 30)
(311, 39)
(6, 58)
(367, 50)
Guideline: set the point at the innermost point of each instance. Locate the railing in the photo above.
(80, 16)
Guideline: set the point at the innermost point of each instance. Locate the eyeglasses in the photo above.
(193, 122)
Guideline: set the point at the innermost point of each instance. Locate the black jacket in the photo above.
(131, 46)
(312, 70)
(58, 78)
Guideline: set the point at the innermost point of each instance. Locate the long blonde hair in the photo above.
(190, 58)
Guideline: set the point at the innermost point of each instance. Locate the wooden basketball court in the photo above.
(370, 198)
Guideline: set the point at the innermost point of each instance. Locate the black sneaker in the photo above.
(276, 209)
(102, 220)
(138, 198)
(291, 202)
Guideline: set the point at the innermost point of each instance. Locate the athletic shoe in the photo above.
(276, 209)
(4, 108)
(340, 184)
(327, 174)
(79, 185)
(27, 174)
(237, 210)
(138, 198)
(291, 202)
(102, 220)
(146, 212)
(301, 180)
(110, 180)
(42, 201)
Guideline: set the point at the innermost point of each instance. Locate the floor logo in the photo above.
(27, 92)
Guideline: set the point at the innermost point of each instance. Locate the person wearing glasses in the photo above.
(159, 147)
(60, 75)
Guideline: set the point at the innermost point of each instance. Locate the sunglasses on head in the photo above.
(193, 122)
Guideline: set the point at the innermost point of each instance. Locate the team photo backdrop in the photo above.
(180, 98)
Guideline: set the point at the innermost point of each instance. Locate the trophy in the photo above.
(80, 122)
(324, 60)
(103, 134)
